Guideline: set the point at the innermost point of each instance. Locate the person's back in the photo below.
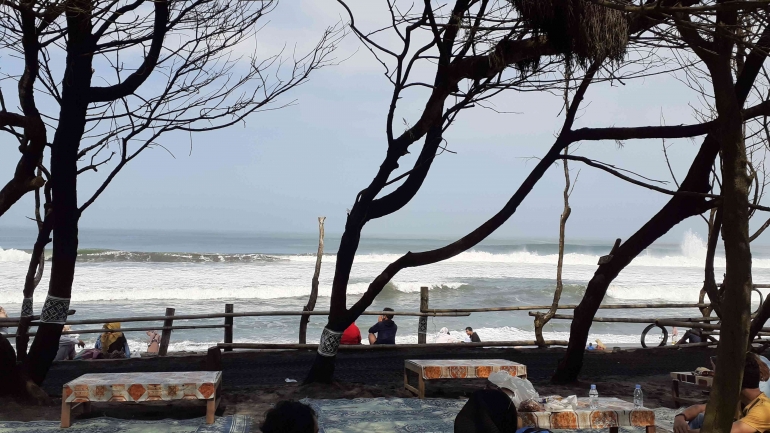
(351, 336)
(487, 411)
(385, 329)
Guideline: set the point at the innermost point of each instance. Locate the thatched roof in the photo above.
(582, 30)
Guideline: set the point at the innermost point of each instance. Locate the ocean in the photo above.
(135, 273)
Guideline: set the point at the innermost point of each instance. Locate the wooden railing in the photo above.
(168, 323)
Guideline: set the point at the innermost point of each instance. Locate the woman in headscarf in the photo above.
(487, 411)
(113, 344)
(444, 337)
(600, 345)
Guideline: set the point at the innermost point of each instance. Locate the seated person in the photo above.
(351, 336)
(691, 336)
(590, 346)
(67, 344)
(444, 336)
(754, 411)
(113, 344)
(290, 417)
(472, 335)
(154, 346)
(385, 328)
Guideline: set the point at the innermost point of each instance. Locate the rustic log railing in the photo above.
(168, 323)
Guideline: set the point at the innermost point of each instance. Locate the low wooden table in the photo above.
(611, 413)
(688, 378)
(430, 369)
(142, 387)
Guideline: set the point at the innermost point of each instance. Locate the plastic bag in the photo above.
(518, 389)
(565, 404)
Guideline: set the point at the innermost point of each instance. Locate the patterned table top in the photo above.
(612, 412)
(689, 377)
(463, 368)
(136, 387)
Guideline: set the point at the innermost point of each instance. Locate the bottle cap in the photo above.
(593, 386)
(638, 386)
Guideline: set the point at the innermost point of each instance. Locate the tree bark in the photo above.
(540, 318)
(314, 285)
(64, 156)
(709, 282)
(736, 295)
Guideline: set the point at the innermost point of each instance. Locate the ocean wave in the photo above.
(505, 333)
(12, 255)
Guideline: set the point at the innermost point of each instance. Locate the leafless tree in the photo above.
(109, 80)
(476, 50)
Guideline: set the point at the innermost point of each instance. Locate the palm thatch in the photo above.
(581, 30)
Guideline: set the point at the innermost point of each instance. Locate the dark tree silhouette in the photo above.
(112, 79)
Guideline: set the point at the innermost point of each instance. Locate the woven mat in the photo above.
(228, 424)
(381, 415)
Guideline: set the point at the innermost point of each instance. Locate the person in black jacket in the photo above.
(385, 328)
(474, 336)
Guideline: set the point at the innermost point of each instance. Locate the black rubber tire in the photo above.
(648, 328)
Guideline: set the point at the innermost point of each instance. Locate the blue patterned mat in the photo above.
(402, 415)
(227, 424)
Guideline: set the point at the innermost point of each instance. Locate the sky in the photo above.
(282, 169)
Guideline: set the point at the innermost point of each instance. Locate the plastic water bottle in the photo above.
(638, 397)
(593, 398)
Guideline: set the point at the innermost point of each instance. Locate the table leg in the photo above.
(211, 407)
(613, 430)
(650, 429)
(66, 411)
(675, 392)
(406, 381)
(421, 387)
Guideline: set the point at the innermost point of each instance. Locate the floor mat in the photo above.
(228, 424)
(381, 415)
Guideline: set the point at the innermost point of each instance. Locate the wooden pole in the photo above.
(214, 358)
(367, 347)
(303, 321)
(165, 337)
(422, 322)
(244, 314)
(229, 308)
(561, 307)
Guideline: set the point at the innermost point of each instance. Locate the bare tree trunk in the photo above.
(736, 297)
(540, 318)
(64, 157)
(314, 289)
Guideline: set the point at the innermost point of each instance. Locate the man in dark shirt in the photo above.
(385, 328)
(474, 336)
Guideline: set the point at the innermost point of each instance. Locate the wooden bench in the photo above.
(142, 387)
(679, 378)
(431, 369)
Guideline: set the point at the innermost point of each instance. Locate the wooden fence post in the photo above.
(422, 322)
(229, 327)
(165, 336)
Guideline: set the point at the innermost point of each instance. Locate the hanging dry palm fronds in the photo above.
(582, 30)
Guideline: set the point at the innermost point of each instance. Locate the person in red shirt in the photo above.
(352, 335)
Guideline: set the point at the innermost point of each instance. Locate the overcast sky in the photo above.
(282, 169)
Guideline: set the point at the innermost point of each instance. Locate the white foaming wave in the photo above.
(12, 255)
(505, 333)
